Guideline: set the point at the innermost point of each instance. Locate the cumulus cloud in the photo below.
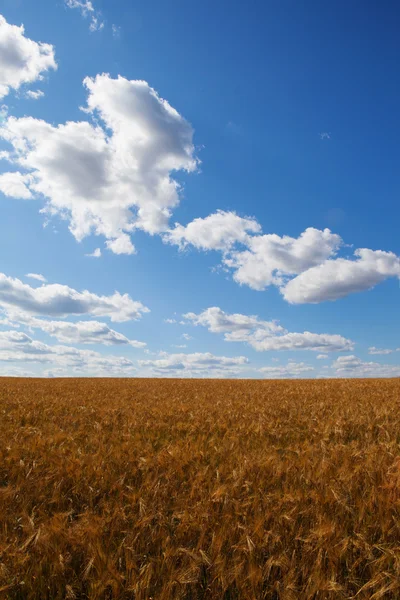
(110, 176)
(36, 276)
(55, 300)
(95, 254)
(196, 364)
(270, 258)
(82, 332)
(87, 11)
(18, 347)
(322, 356)
(22, 60)
(121, 245)
(337, 278)
(352, 366)
(219, 231)
(306, 268)
(236, 327)
(266, 335)
(17, 341)
(291, 370)
(16, 185)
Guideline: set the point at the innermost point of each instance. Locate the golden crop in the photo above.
(167, 489)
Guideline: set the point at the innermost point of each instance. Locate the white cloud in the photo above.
(305, 269)
(22, 60)
(236, 327)
(19, 347)
(291, 370)
(34, 94)
(82, 332)
(197, 364)
(318, 342)
(270, 258)
(266, 335)
(373, 350)
(7, 371)
(16, 184)
(352, 366)
(17, 341)
(6, 322)
(55, 300)
(121, 245)
(322, 356)
(337, 278)
(88, 11)
(95, 254)
(112, 176)
(36, 276)
(186, 336)
(170, 321)
(219, 231)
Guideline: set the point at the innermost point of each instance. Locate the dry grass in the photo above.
(169, 489)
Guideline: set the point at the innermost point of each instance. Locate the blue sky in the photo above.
(235, 169)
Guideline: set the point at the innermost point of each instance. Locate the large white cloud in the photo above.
(219, 231)
(111, 176)
(305, 269)
(55, 300)
(22, 60)
(337, 278)
(18, 347)
(352, 366)
(266, 335)
(196, 364)
(265, 260)
(292, 370)
(270, 258)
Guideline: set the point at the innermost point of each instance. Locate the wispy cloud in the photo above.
(95, 254)
(34, 94)
(116, 30)
(373, 350)
(87, 11)
(36, 276)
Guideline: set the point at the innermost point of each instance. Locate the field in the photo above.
(168, 489)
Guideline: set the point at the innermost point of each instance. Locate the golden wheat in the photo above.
(168, 489)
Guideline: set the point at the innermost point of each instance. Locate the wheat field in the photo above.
(168, 489)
